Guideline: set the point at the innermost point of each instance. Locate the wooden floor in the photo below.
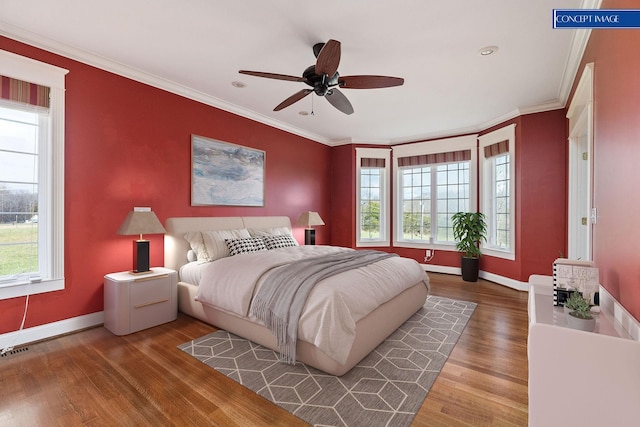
(95, 378)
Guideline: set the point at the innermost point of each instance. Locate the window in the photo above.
(21, 132)
(372, 165)
(497, 170)
(31, 176)
(435, 180)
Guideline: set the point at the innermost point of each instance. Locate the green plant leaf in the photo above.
(469, 230)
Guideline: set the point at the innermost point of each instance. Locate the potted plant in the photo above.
(469, 230)
(579, 315)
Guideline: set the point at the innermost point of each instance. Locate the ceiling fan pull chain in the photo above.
(312, 106)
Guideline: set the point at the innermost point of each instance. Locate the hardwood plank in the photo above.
(95, 378)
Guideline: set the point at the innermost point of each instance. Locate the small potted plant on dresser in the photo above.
(469, 230)
(579, 313)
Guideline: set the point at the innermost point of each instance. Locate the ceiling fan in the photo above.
(325, 80)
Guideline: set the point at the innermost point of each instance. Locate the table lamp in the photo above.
(308, 220)
(141, 221)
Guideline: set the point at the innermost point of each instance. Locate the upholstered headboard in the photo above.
(176, 247)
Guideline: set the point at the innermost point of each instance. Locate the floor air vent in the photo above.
(14, 351)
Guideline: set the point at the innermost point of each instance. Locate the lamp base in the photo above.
(140, 256)
(309, 236)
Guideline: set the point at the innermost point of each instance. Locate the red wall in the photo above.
(128, 144)
(343, 198)
(616, 236)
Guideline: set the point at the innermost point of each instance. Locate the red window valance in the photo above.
(371, 163)
(496, 149)
(430, 159)
(25, 92)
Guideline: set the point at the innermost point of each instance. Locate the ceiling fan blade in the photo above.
(292, 99)
(338, 100)
(272, 75)
(369, 82)
(328, 58)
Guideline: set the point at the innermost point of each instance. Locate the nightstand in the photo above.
(133, 302)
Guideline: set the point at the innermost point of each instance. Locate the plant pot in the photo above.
(580, 323)
(470, 269)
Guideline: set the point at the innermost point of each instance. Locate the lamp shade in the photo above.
(141, 221)
(309, 219)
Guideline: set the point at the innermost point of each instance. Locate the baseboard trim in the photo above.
(50, 330)
(442, 269)
(501, 280)
(505, 281)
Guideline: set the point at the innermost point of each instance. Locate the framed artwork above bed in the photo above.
(226, 174)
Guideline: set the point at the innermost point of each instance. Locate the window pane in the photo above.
(370, 191)
(501, 189)
(501, 172)
(502, 205)
(415, 203)
(453, 196)
(18, 130)
(18, 192)
(18, 167)
(364, 193)
(452, 177)
(450, 195)
(499, 224)
(374, 193)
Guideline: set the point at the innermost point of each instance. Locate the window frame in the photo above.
(51, 160)
(467, 142)
(487, 186)
(385, 182)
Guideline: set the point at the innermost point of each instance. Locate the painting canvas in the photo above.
(226, 174)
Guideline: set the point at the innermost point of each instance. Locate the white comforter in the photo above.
(333, 307)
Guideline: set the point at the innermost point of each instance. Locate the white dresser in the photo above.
(576, 377)
(133, 302)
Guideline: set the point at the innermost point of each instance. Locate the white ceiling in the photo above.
(196, 47)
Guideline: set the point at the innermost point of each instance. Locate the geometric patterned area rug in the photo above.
(386, 388)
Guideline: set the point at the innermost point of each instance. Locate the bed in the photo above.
(370, 329)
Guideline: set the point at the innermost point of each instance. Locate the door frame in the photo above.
(581, 214)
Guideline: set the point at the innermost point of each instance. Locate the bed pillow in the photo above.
(275, 242)
(277, 231)
(245, 246)
(210, 245)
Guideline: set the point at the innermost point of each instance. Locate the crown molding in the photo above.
(578, 45)
(576, 52)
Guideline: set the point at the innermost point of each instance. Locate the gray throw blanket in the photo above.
(281, 298)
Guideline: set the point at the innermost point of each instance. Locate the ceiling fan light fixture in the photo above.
(488, 50)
